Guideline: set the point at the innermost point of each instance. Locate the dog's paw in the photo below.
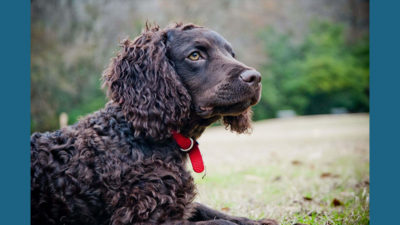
(267, 222)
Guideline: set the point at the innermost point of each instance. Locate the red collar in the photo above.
(192, 147)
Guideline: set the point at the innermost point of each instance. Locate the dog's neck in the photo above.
(193, 127)
(196, 125)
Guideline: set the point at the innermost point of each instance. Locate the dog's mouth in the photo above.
(222, 105)
(231, 109)
(227, 110)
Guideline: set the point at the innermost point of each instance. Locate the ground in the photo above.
(311, 170)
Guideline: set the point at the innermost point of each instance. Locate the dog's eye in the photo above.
(194, 56)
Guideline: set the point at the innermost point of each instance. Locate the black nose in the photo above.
(251, 77)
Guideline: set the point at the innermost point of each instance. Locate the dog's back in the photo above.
(64, 187)
(82, 174)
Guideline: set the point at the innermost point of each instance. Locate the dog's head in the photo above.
(166, 76)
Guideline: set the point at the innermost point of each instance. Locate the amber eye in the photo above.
(194, 56)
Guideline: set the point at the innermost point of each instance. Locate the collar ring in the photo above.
(190, 147)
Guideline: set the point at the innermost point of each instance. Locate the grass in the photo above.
(311, 170)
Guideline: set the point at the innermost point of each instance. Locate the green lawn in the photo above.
(312, 170)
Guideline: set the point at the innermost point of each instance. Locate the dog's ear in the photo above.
(142, 80)
(240, 123)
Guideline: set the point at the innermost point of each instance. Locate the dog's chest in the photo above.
(154, 181)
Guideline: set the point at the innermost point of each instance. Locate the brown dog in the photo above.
(121, 165)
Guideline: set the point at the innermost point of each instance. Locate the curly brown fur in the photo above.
(240, 123)
(142, 80)
(120, 165)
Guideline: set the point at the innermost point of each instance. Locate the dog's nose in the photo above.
(251, 77)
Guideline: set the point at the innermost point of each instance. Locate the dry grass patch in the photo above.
(312, 170)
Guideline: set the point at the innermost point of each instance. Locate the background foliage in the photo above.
(313, 54)
(322, 72)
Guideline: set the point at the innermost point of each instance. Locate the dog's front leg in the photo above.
(208, 222)
(204, 213)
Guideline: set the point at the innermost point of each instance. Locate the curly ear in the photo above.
(144, 83)
(240, 123)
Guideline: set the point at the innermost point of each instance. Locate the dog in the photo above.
(125, 164)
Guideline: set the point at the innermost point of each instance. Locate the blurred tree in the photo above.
(322, 72)
(69, 51)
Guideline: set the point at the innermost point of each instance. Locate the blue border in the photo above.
(15, 112)
(385, 111)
